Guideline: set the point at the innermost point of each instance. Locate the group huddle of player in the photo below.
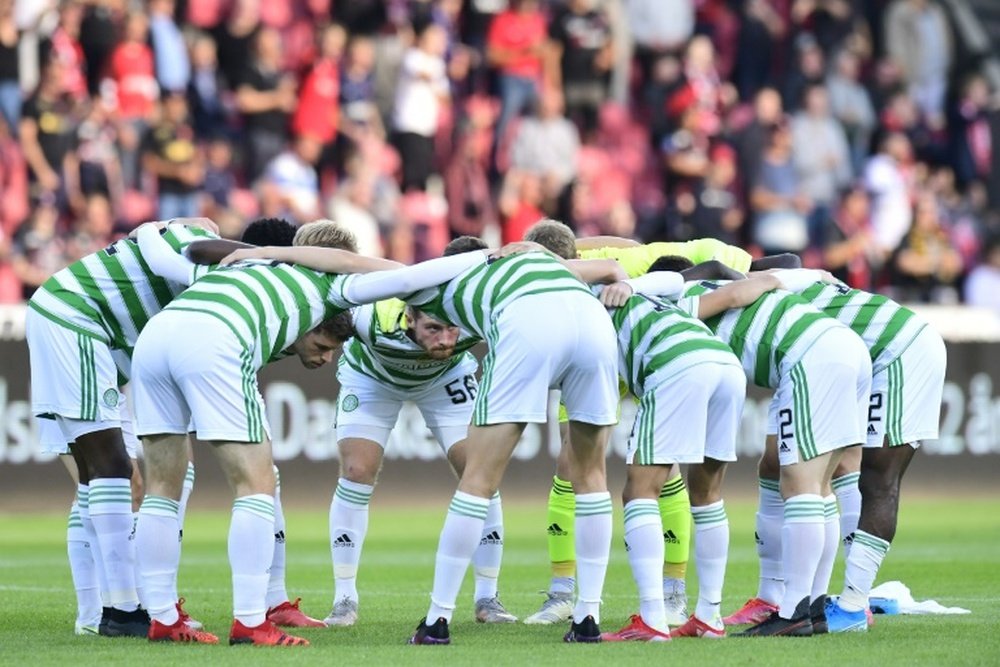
(188, 319)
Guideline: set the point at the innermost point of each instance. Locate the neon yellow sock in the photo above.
(675, 512)
(562, 546)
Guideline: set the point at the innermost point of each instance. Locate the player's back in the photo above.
(657, 340)
(112, 293)
(636, 260)
(770, 335)
(267, 305)
(475, 297)
(886, 327)
(382, 349)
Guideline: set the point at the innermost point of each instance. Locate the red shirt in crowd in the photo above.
(519, 222)
(316, 114)
(516, 31)
(70, 54)
(132, 71)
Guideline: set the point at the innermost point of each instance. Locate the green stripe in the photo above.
(769, 484)
(133, 305)
(672, 487)
(714, 516)
(104, 336)
(89, 286)
(160, 288)
(793, 334)
(305, 316)
(892, 328)
(850, 479)
(354, 497)
(217, 315)
(802, 415)
(871, 541)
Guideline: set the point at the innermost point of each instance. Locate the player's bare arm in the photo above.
(328, 260)
(736, 294)
(785, 260)
(596, 271)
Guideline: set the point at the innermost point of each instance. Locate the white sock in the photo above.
(251, 548)
(849, 499)
(83, 569)
(770, 517)
(186, 489)
(83, 505)
(711, 552)
(276, 593)
(486, 560)
(463, 527)
(111, 513)
(831, 544)
(135, 561)
(644, 541)
(863, 563)
(158, 550)
(348, 527)
(593, 546)
(801, 548)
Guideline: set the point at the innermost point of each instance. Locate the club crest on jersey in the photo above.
(350, 403)
(111, 398)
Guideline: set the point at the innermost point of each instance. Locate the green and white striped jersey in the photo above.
(886, 327)
(657, 340)
(267, 305)
(473, 298)
(111, 294)
(382, 350)
(769, 336)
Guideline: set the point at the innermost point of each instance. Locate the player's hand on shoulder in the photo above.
(516, 248)
(244, 253)
(616, 294)
(203, 223)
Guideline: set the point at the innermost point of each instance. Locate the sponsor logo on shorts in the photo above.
(871, 430)
(111, 398)
(350, 403)
(784, 447)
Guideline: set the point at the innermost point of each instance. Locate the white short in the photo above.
(368, 409)
(905, 405)
(692, 415)
(190, 371)
(72, 374)
(821, 403)
(52, 440)
(561, 340)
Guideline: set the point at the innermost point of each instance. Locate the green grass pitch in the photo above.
(948, 550)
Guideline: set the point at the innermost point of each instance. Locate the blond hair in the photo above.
(326, 234)
(554, 236)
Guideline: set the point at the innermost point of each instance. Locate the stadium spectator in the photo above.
(579, 59)
(973, 142)
(547, 146)
(170, 153)
(13, 183)
(982, 287)
(888, 184)
(780, 207)
(686, 158)
(220, 182)
(38, 249)
(520, 204)
(351, 207)
(47, 131)
(752, 139)
(10, 86)
(64, 45)
(266, 96)
(851, 105)
(822, 157)
(848, 246)
(210, 98)
(173, 68)
(467, 188)
(422, 90)
(515, 46)
(132, 75)
(234, 39)
(926, 266)
(100, 169)
(919, 41)
(761, 30)
(717, 212)
(318, 111)
(831, 21)
(100, 30)
(358, 111)
(809, 70)
(659, 29)
(291, 178)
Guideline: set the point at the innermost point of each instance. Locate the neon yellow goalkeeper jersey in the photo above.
(636, 260)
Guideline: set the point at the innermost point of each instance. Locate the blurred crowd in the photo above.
(859, 134)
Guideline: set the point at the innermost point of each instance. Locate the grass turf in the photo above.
(947, 550)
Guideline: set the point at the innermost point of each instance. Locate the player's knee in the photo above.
(359, 472)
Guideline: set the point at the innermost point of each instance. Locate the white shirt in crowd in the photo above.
(891, 210)
(296, 179)
(423, 81)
